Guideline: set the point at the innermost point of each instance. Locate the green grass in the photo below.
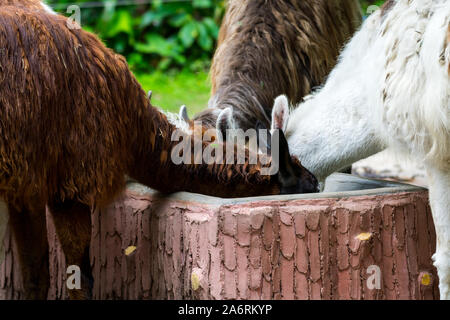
(172, 91)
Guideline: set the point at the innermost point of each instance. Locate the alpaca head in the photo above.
(300, 145)
(318, 139)
(292, 175)
(293, 178)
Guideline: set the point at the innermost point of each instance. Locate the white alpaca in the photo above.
(390, 88)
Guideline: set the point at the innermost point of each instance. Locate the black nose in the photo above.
(317, 189)
(313, 188)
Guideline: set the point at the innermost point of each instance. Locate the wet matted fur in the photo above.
(272, 47)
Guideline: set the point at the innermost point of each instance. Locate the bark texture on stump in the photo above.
(147, 247)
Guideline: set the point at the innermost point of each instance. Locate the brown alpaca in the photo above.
(73, 122)
(273, 47)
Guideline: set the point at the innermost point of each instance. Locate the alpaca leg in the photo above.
(440, 204)
(30, 234)
(73, 226)
(4, 217)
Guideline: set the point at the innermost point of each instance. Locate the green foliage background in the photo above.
(158, 34)
(154, 35)
(168, 43)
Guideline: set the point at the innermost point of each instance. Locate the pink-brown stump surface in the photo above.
(147, 247)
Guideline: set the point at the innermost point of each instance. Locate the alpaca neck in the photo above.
(338, 125)
(332, 132)
(335, 127)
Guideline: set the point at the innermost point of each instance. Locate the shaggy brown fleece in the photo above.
(273, 47)
(73, 122)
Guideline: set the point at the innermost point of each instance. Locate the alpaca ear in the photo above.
(280, 113)
(224, 122)
(264, 143)
(184, 113)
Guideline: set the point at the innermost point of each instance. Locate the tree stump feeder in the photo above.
(360, 239)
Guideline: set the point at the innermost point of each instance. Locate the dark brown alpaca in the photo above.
(73, 122)
(273, 47)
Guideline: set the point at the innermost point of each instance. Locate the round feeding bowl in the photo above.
(360, 239)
